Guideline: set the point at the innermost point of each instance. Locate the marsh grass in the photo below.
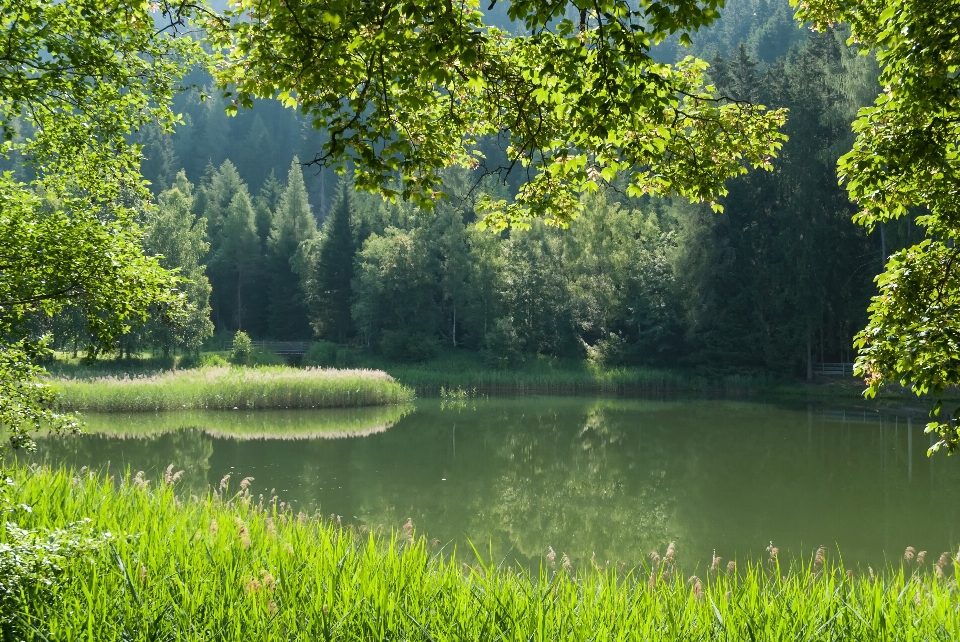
(224, 388)
(234, 567)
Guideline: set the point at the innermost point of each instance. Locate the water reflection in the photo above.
(602, 477)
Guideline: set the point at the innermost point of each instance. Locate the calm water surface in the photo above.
(614, 478)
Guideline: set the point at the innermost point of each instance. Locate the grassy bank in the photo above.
(135, 562)
(225, 388)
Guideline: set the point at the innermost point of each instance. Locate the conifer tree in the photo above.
(328, 286)
(265, 204)
(238, 259)
(294, 228)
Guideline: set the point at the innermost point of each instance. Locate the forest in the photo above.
(284, 249)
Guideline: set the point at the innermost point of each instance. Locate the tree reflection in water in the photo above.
(608, 478)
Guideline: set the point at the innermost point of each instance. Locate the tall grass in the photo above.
(233, 567)
(233, 388)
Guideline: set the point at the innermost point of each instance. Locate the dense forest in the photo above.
(287, 250)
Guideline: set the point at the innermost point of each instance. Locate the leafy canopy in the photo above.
(905, 161)
(76, 78)
(406, 88)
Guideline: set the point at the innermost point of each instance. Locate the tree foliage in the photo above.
(76, 78)
(905, 162)
(407, 88)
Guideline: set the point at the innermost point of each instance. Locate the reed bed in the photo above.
(224, 388)
(141, 563)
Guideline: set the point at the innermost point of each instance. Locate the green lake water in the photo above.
(606, 477)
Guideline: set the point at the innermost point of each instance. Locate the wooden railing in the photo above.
(285, 348)
(833, 369)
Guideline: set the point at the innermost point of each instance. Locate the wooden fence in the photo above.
(834, 369)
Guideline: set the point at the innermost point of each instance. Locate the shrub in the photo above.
(242, 349)
(408, 347)
(504, 346)
(609, 351)
(321, 354)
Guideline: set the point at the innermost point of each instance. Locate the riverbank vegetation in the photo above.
(131, 560)
(223, 388)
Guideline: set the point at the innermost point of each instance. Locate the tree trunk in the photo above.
(883, 246)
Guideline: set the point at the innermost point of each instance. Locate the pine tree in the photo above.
(265, 204)
(294, 228)
(239, 259)
(328, 287)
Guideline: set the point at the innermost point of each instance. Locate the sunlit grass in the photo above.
(234, 567)
(224, 388)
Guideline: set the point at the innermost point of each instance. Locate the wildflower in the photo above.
(849, 574)
(910, 553)
(213, 527)
(434, 542)
(551, 556)
(224, 482)
(245, 482)
(870, 570)
(140, 481)
(654, 557)
(288, 549)
(921, 556)
(567, 565)
(143, 573)
(253, 585)
(407, 530)
(671, 550)
(271, 528)
(652, 581)
(731, 566)
(272, 607)
(944, 560)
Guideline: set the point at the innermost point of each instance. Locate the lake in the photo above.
(609, 478)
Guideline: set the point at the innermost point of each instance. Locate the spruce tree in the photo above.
(294, 228)
(329, 291)
(239, 261)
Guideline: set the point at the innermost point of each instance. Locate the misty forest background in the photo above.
(286, 251)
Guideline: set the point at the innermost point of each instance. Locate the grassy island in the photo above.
(225, 388)
(85, 558)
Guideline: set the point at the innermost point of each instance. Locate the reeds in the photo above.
(233, 388)
(234, 567)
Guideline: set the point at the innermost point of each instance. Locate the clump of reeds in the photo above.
(233, 389)
(229, 567)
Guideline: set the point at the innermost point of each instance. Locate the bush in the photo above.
(608, 352)
(321, 354)
(504, 346)
(242, 349)
(408, 347)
